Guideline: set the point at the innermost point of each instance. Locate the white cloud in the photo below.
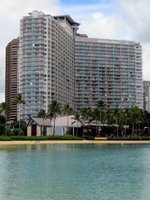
(100, 26)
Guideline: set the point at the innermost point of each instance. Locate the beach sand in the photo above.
(73, 142)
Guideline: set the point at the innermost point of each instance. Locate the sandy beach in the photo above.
(72, 142)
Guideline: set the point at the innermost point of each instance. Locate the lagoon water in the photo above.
(75, 172)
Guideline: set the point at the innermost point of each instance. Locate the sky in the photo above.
(109, 19)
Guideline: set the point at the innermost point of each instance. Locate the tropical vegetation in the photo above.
(97, 121)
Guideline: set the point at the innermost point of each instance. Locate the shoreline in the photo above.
(30, 142)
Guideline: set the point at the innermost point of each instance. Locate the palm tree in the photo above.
(146, 118)
(54, 109)
(96, 115)
(4, 107)
(134, 116)
(68, 111)
(77, 118)
(100, 106)
(116, 113)
(19, 101)
(109, 116)
(86, 116)
(42, 114)
(126, 118)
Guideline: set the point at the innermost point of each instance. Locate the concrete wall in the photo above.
(38, 131)
(29, 131)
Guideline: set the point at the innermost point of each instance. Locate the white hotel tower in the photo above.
(46, 61)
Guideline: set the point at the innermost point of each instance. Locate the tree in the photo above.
(13, 128)
(54, 109)
(68, 111)
(19, 101)
(4, 107)
(96, 115)
(42, 114)
(146, 119)
(77, 118)
(100, 106)
(134, 117)
(86, 116)
(115, 118)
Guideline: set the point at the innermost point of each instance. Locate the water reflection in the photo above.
(75, 171)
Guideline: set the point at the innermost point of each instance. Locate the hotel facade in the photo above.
(46, 61)
(146, 96)
(108, 70)
(11, 71)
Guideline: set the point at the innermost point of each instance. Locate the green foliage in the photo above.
(86, 114)
(20, 138)
(54, 109)
(42, 114)
(129, 138)
(5, 138)
(16, 128)
(18, 99)
(4, 107)
(2, 119)
(89, 138)
(67, 109)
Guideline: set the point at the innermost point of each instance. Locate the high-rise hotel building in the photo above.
(11, 78)
(146, 95)
(46, 61)
(110, 70)
(56, 63)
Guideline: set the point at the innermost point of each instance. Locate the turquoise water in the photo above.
(75, 172)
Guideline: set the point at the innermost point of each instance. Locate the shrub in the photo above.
(89, 138)
(45, 138)
(5, 138)
(129, 138)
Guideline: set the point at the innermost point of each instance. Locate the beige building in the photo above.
(44, 127)
(11, 78)
(38, 127)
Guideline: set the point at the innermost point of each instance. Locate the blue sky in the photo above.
(83, 1)
(84, 7)
(111, 19)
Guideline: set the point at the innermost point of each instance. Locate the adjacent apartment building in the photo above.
(46, 61)
(110, 70)
(146, 96)
(11, 78)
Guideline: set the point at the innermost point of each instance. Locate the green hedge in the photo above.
(129, 138)
(18, 138)
(5, 138)
(89, 138)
